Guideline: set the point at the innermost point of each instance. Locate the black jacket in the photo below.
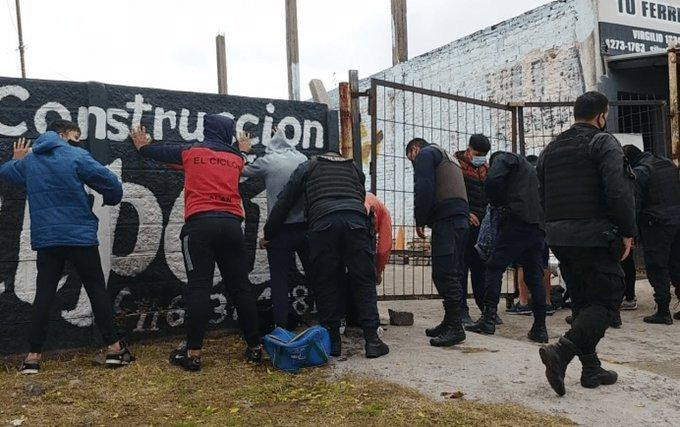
(426, 209)
(616, 186)
(512, 184)
(297, 187)
(649, 211)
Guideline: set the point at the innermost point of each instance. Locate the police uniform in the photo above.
(659, 220)
(512, 187)
(589, 206)
(340, 238)
(440, 202)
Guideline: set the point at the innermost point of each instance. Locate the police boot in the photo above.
(661, 317)
(336, 342)
(616, 321)
(538, 332)
(436, 331)
(486, 324)
(451, 335)
(452, 331)
(593, 375)
(556, 357)
(374, 345)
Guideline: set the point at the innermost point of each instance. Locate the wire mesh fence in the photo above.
(401, 112)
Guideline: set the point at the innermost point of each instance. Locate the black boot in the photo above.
(374, 345)
(593, 375)
(556, 357)
(451, 335)
(661, 317)
(538, 333)
(465, 319)
(486, 324)
(436, 331)
(616, 321)
(336, 342)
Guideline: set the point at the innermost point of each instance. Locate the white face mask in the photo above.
(478, 161)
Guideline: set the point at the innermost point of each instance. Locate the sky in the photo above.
(170, 44)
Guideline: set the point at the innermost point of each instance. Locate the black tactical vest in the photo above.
(572, 184)
(663, 187)
(449, 182)
(332, 178)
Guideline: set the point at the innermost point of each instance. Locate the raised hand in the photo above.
(21, 148)
(244, 142)
(139, 137)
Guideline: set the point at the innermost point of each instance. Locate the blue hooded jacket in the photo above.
(54, 175)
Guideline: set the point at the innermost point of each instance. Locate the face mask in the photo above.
(478, 161)
(604, 126)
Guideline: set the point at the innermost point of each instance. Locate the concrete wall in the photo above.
(548, 53)
(139, 239)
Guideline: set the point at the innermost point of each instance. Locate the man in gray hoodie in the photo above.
(275, 167)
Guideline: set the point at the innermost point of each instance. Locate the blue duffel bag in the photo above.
(289, 352)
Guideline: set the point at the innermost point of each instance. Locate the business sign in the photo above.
(638, 26)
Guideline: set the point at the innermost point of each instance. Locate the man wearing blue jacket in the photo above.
(63, 228)
(440, 202)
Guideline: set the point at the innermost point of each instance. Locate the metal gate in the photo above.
(400, 112)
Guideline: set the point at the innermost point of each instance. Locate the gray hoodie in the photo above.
(275, 167)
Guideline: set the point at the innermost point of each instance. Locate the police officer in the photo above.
(475, 168)
(440, 202)
(590, 223)
(340, 237)
(659, 219)
(512, 188)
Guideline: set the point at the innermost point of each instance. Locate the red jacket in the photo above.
(383, 229)
(212, 168)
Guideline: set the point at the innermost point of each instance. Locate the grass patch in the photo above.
(226, 392)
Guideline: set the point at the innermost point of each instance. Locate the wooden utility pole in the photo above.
(292, 51)
(221, 64)
(674, 100)
(21, 40)
(399, 32)
(345, 95)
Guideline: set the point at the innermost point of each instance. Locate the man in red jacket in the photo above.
(213, 212)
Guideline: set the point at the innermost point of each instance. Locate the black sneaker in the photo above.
(254, 355)
(29, 367)
(120, 358)
(180, 357)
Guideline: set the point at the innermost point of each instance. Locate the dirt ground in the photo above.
(505, 368)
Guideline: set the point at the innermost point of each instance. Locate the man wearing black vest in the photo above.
(512, 188)
(475, 168)
(340, 238)
(589, 207)
(658, 183)
(440, 202)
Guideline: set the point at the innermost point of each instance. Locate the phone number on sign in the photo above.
(623, 46)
